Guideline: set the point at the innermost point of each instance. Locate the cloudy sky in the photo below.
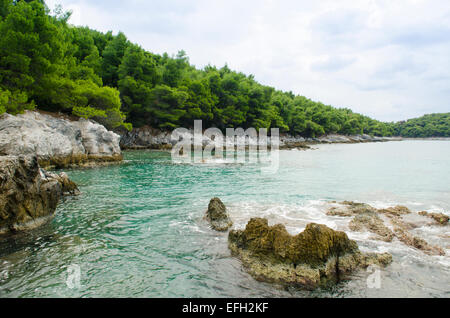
(383, 58)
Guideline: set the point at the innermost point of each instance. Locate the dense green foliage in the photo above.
(433, 125)
(44, 61)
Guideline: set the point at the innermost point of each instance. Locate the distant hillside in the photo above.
(432, 125)
(51, 65)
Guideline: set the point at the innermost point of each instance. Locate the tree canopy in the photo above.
(48, 64)
(432, 125)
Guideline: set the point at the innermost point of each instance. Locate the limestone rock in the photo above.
(316, 257)
(217, 215)
(58, 142)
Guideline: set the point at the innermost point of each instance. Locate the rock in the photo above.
(368, 218)
(372, 222)
(150, 138)
(417, 242)
(217, 215)
(316, 257)
(395, 211)
(27, 197)
(68, 187)
(145, 138)
(440, 218)
(58, 142)
(294, 145)
(350, 208)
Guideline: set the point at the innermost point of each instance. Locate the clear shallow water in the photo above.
(137, 228)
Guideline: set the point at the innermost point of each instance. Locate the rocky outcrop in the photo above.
(68, 187)
(348, 208)
(217, 215)
(290, 142)
(149, 138)
(440, 218)
(366, 217)
(318, 256)
(58, 142)
(287, 140)
(28, 195)
(373, 223)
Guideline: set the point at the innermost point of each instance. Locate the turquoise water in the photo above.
(137, 228)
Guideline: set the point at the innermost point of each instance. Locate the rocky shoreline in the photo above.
(150, 138)
(34, 140)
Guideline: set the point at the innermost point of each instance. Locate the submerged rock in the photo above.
(414, 241)
(217, 215)
(440, 218)
(373, 223)
(57, 142)
(27, 199)
(350, 208)
(395, 211)
(366, 217)
(316, 257)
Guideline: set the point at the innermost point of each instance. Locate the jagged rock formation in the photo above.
(217, 215)
(366, 217)
(28, 195)
(319, 256)
(57, 142)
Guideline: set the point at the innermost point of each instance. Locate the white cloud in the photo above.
(387, 59)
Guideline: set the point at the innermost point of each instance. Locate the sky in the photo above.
(386, 59)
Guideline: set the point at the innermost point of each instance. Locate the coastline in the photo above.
(149, 138)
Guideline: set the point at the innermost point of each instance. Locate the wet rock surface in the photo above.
(29, 195)
(319, 256)
(440, 218)
(290, 142)
(373, 223)
(217, 215)
(387, 223)
(58, 142)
